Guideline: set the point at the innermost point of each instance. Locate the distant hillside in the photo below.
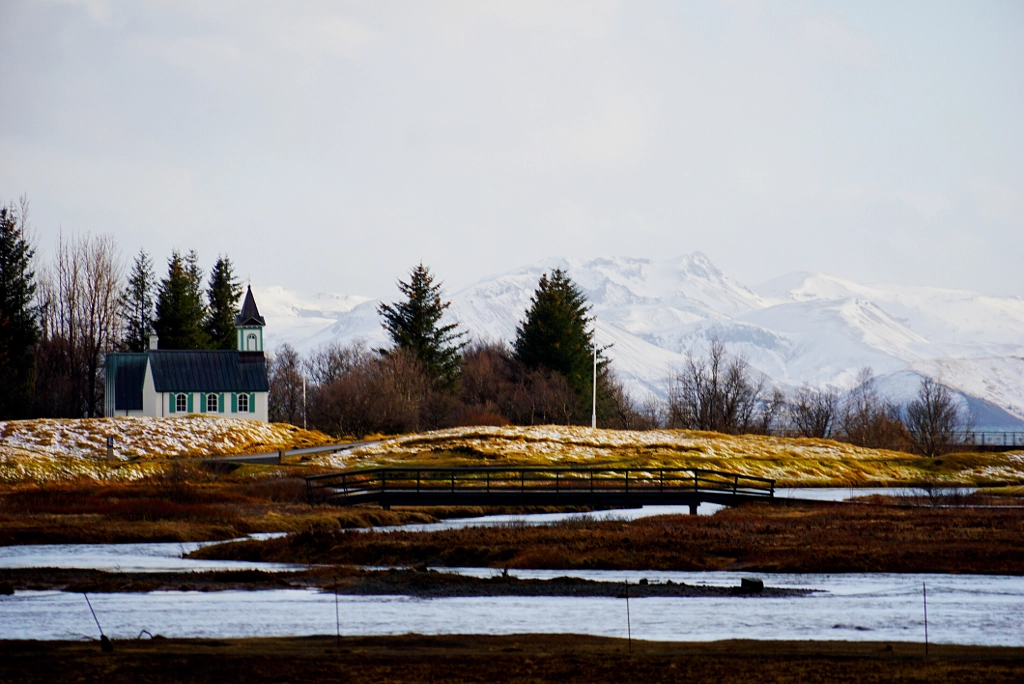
(802, 328)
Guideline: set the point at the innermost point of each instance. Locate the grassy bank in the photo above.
(39, 451)
(520, 658)
(791, 462)
(847, 538)
(57, 487)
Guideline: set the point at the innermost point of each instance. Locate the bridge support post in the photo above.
(693, 508)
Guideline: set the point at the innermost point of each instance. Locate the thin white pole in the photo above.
(924, 589)
(593, 417)
(303, 401)
(337, 617)
(629, 626)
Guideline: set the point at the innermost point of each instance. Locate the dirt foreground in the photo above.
(518, 658)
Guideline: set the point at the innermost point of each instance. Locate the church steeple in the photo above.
(250, 325)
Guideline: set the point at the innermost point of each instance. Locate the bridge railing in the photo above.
(1000, 439)
(373, 483)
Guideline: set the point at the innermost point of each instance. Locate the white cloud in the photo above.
(591, 18)
(614, 132)
(829, 34)
(616, 136)
(927, 203)
(98, 10)
(996, 200)
(300, 34)
(202, 54)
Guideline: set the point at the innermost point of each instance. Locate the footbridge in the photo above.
(537, 486)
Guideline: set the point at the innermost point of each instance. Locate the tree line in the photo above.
(431, 377)
(720, 393)
(58, 320)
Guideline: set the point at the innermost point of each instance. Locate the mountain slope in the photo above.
(801, 328)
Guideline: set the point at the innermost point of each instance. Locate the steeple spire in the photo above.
(250, 315)
(249, 325)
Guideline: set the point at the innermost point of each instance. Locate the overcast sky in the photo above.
(331, 146)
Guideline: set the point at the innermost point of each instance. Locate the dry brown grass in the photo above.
(850, 538)
(415, 659)
(185, 502)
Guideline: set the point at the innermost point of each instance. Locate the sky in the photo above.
(330, 147)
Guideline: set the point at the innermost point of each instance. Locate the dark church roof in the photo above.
(250, 315)
(128, 372)
(184, 371)
(208, 371)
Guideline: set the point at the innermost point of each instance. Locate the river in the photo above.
(963, 609)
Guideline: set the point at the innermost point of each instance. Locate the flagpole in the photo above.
(593, 417)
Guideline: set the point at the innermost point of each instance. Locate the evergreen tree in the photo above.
(19, 318)
(137, 304)
(223, 294)
(179, 305)
(414, 326)
(554, 335)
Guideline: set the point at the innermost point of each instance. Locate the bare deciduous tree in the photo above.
(79, 295)
(284, 373)
(813, 412)
(869, 420)
(934, 422)
(771, 412)
(715, 393)
(356, 392)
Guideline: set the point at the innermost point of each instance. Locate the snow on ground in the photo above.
(152, 437)
(62, 448)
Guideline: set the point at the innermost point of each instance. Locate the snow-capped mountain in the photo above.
(802, 328)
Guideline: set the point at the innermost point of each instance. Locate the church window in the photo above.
(181, 403)
(243, 403)
(211, 403)
(250, 342)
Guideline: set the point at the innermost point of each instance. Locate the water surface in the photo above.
(962, 609)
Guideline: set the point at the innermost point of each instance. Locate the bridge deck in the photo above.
(537, 486)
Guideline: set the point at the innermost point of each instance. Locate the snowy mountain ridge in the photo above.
(799, 329)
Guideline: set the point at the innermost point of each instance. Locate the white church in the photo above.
(173, 382)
